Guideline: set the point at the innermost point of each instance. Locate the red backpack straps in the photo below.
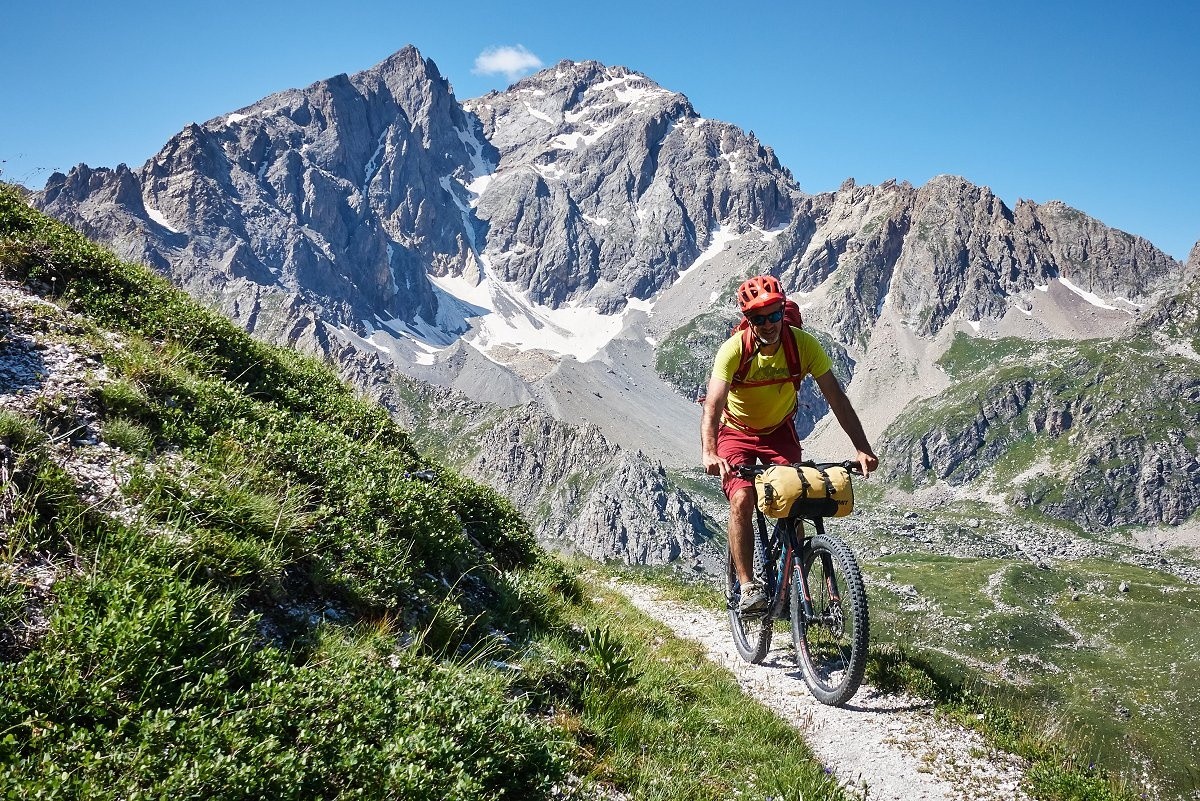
(791, 353)
(793, 320)
(749, 348)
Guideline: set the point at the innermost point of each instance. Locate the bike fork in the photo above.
(831, 587)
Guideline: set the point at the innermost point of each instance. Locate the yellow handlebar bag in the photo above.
(785, 490)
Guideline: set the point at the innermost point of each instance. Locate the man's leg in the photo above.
(739, 448)
(781, 446)
(741, 533)
(741, 550)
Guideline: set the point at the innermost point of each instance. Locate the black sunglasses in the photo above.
(762, 319)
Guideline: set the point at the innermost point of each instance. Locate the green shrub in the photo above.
(151, 686)
(612, 669)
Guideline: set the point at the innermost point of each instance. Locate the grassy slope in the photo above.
(294, 612)
(1110, 671)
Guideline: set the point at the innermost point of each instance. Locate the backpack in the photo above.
(791, 319)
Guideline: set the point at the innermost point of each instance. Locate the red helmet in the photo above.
(759, 291)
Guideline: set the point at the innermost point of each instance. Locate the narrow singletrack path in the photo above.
(887, 747)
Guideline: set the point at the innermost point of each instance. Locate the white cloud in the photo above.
(513, 62)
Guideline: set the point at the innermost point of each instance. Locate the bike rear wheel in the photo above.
(831, 647)
(751, 633)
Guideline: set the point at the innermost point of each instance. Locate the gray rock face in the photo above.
(1103, 444)
(1174, 322)
(586, 494)
(331, 202)
(952, 249)
(581, 492)
(609, 185)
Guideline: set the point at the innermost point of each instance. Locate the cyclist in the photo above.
(749, 411)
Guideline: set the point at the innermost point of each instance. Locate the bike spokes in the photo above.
(830, 631)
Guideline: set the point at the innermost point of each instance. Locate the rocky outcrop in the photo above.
(1175, 320)
(1128, 480)
(951, 249)
(959, 448)
(330, 203)
(1079, 436)
(608, 185)
(582, 493)
(586, 495)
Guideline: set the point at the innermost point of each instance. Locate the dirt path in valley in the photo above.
(887, 747)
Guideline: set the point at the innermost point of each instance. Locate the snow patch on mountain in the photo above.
(1090, 297)
(504, 316)
(480, 166)
(157, 216)
(1129, 307)
(718, 239)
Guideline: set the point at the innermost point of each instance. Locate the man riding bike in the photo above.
(749, 411)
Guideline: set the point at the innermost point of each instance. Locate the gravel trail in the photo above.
(886, 747)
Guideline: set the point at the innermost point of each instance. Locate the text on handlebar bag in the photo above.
(785, 490)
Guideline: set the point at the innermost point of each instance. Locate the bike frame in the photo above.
(782, 544)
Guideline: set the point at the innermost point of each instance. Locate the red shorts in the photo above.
(781, 446)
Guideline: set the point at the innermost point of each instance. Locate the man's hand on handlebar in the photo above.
(715, 466)
(867, 462)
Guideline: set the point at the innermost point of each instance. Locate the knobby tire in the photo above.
(831, 649)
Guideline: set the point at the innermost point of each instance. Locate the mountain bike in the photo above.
(816, 582)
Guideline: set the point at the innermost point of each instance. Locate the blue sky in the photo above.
(1093, 103)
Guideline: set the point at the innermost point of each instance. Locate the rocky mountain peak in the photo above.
(618, 181)
(570, 104)
(954, 251)
(340, 196)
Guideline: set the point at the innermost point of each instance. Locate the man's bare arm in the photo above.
(839, 404)
(714, 404)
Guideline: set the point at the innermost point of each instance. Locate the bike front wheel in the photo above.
(831, 643)
(751, 633)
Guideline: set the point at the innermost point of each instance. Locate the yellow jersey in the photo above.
(762, 408)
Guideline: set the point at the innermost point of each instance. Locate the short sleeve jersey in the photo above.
(766, 407)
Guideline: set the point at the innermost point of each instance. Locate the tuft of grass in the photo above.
(128, 436)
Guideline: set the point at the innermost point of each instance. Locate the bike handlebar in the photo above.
(749, 471)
